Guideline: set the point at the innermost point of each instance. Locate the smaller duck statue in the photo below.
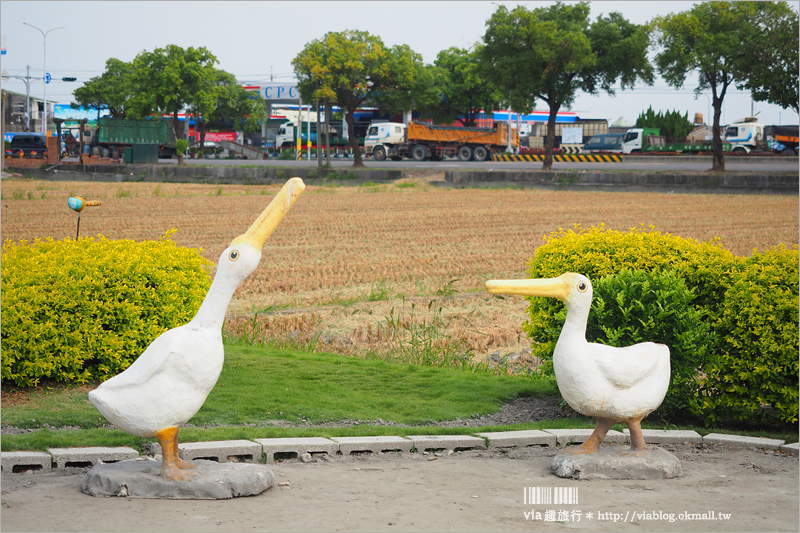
(603, 382)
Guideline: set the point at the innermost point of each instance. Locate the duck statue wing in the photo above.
(629, 366)
(160, 357)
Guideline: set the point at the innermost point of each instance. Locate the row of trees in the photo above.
(171, 80)
(548, 54)
(674, 126)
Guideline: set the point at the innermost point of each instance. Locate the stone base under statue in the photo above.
(617, 462)
(142, 479)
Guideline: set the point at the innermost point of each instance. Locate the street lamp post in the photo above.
(44, 39)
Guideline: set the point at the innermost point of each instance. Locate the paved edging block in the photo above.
(509, 439)
(740, 441)
(579, 436)
(672, 436)
(220, 450)
(348, 445)
(299, 446)
(62, 457)
(447, 442)
(42, 460)
(793, 449)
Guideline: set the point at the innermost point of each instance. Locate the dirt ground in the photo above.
(464, 491)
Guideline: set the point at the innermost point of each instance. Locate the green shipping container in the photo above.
(113, 131)
(141, 153)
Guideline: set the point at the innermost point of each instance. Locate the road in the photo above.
(660, 164)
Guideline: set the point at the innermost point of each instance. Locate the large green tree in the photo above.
(111, 90)
(710, 39)
(465, 93)
(352, 67)
(551, 53)
(770, 66)
(232, 104)
(168, 80)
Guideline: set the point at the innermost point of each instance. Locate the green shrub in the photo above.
(598, 252)
(756, 361)
(634, 306)
(84, 310)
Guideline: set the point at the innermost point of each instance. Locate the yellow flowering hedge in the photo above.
(750, 306)
(598, 251)
(81, 310)
(756, 329)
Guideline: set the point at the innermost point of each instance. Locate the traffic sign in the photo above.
(47, 78)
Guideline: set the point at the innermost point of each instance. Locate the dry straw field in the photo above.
(346, 258)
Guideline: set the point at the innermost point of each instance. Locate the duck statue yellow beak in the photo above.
(559, 287)
(269, 219)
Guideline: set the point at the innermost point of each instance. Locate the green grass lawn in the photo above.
(260, 384)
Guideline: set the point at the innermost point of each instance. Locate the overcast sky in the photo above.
(256, 41)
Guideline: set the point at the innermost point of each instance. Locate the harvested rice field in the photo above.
(346, 259)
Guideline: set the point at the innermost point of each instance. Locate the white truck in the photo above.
(744, 134)
(640, 139)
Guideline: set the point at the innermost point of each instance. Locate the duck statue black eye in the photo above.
(582, 286)
(234, 255)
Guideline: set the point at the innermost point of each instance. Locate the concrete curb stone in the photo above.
(792, 449)
(579, 436)
(26, 460)
(513, 439)
(672, 436)
(447, 442)
(739, 441)
(297, 445)
(348, 445)
(62, 457)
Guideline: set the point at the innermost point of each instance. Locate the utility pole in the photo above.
(44, 78)
(27, 80)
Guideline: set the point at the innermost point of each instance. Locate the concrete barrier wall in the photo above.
(731, 182)
(698, 182)
(210, 174)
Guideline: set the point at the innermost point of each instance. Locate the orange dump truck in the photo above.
(426, 141)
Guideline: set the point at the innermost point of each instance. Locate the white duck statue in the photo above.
(170, 380)
(606, 383)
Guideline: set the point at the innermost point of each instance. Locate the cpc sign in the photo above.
(275, 92)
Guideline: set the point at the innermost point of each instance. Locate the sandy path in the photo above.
(466, 491)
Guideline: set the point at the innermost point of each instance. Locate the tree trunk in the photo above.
(550, 140)
(319, 138)
(351, 131)
(202, 149)
(328, 119)
(718, 161)
(176, 129)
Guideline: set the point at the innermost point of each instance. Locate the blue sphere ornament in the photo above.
(76, 204)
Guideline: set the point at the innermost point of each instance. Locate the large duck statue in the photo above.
(170, 380)
(603, 382)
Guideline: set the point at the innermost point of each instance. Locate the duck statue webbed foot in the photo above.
(607, 383)
(172, 466)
